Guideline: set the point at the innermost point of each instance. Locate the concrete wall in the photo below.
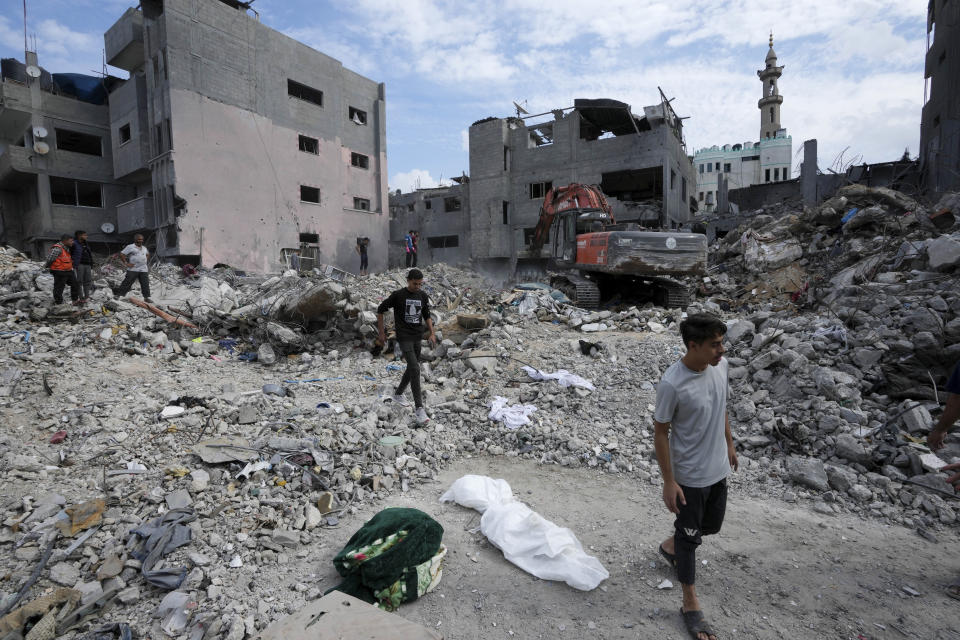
(240, 174)
(940, 118)
(409, 211)
(775, 154)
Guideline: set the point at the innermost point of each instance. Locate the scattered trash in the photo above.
(564, 377)
(513, 416)
(665, 584)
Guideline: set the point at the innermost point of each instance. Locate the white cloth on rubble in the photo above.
(514, 416)
(526, 538)
(564, 377)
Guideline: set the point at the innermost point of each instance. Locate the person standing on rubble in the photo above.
(408, 245)
(362, 244)
(82, 265)
(695, 451)
(60, 264)
(135, 257)
(415, 239)
(411, 312)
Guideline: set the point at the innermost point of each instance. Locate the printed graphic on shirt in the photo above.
(411, 313)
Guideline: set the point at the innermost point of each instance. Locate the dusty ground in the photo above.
(775, 571)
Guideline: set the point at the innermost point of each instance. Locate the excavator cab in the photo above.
(565, 239)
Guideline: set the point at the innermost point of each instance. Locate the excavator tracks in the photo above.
(582, 292)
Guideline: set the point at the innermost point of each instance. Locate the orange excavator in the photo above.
(595, 259)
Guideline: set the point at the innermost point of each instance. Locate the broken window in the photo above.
(309, 238)
(767, 176)
(124, 134)
(427, 204)
(309, 194)
(506, 212)
(443, 242)
(359, 160)
(75, 193)
(726, 167)
(309, 145)
(357, 116)
(528, 234)
(540, 136)
(451, 204)
(361, 203)
(303, 92)
(79, 142)
(539, 189)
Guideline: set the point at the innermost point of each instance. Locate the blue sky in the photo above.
(853, 76)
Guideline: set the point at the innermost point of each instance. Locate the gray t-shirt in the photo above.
(695, 405)
(136, 256)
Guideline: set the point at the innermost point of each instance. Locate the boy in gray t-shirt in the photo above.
(695, 450)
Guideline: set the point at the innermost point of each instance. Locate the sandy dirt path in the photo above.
(777, 570)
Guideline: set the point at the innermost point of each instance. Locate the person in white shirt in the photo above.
(135, 258)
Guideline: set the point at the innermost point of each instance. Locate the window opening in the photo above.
(303, 92)
(427, 204)
(451, 204)
(726, 167)
(124, 134)
(767, 176)
(539, 189)
(309, 194)
(309, 145)
(506, 212)
(309, 238)
(361, 203)
(443, 242)
(79, 142)
(359, 160)
(357, 116)
(76, 193)
(776, 174)
(541, 136)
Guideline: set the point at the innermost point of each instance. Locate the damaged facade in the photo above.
(639, 162)
(741, 165)
(940, 120)
(56, 158)
(442, 217)
(229, 143)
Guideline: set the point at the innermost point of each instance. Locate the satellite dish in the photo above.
(520, 109)
(33, 71)
(39, 132)
(107, 227)
(41, 147)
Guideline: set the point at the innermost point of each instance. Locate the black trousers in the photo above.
(411, 355)
(363, 262)
(701, 516)
(411, 259)
(130, 278)
(60, 279)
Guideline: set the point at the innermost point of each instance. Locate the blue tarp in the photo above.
(82, 87)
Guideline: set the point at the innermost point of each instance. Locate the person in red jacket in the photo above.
(60, 264)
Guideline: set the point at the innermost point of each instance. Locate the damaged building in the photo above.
(56, 158)
(442, 217)
(737, 166)
(940, 119)
(640, 163)
(230, 143)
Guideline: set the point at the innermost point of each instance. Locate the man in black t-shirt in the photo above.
(411, 311)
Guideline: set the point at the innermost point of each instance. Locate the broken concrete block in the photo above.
(179, 499)
(482, 361)
(65, 573)
(266, 355)
(808, 472)
(285, 538)
(943, 253)
(849, 448)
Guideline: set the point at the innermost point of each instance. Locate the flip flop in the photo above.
(696, 624)
(669, 557)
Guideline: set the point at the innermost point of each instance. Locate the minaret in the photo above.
(770, 103)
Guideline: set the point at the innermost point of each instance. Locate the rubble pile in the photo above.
(158, 460)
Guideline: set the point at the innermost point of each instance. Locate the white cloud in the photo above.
(465, 140)
(413, 179)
